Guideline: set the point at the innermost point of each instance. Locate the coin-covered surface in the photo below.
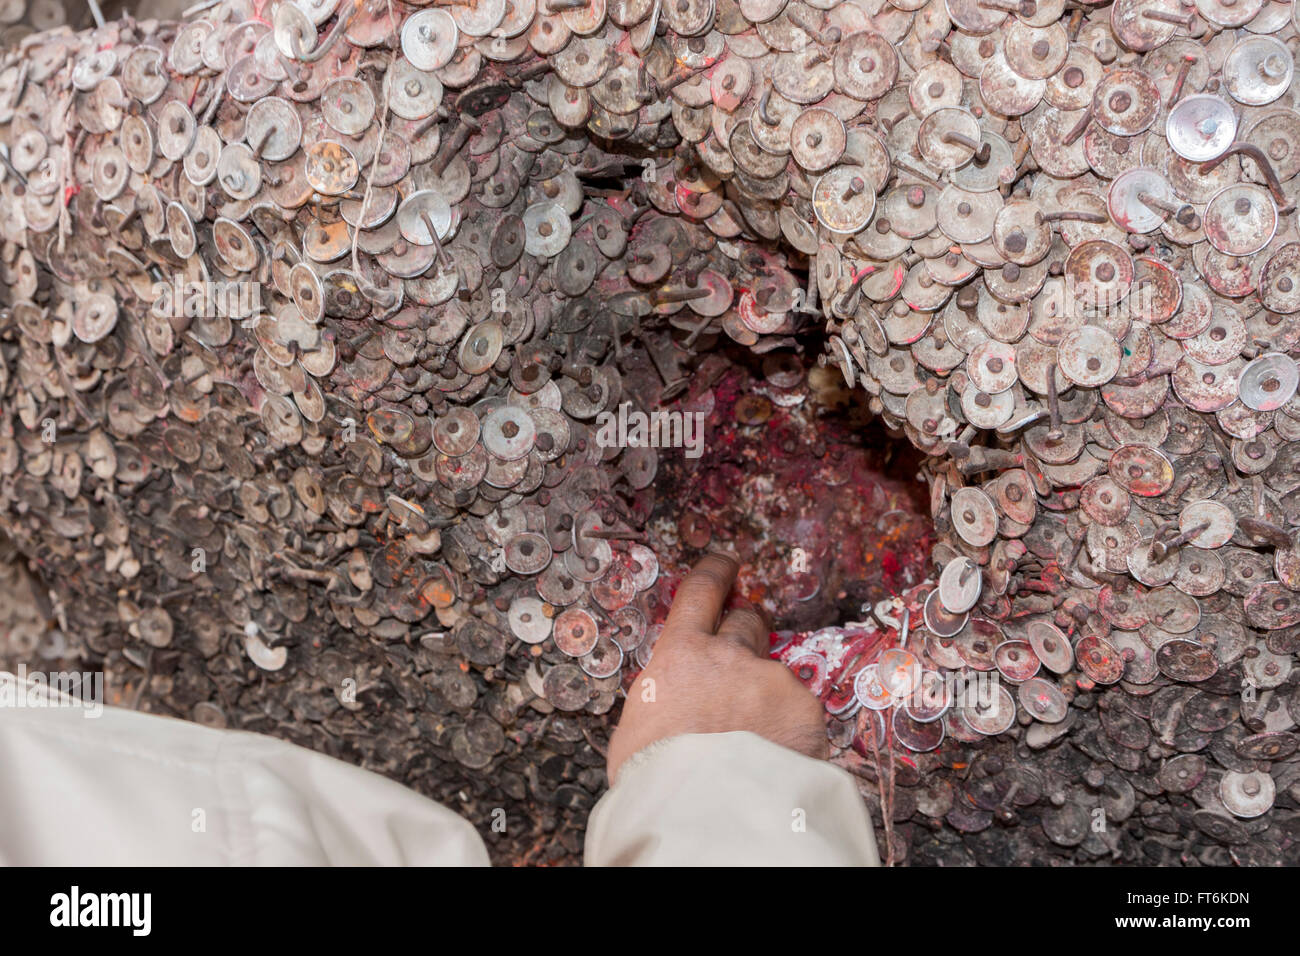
(371, 372)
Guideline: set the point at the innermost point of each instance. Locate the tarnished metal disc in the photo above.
(1279, 283)
(1276, 132)
(987, 411)
(931, 700)
(429, 39)
(948, 138)
(1171, 610)
(528, 553)
(719, 298)
(1271, 606)
(992, 366)
(843, 200)
(1268, 382)
(1043, 700)
(730, 83)
(1258, 70)
(1247, 795)
(967, 216)
(176, 129)
(142, 74)
(817, 139)
(90, 70)
(899, 672)
(348, 105)
(456, 432)
(1101, 272)
(481, 347)
(1216, 520)
(990, 717)
(1186, 661)
(1200, 572)
(412, 93)
(916, 735)
(1229, 13)
(109, 173)
(331, 168)
(576, 631)
(235, 245)
(803, 76)
(294, 31)
(938, 620)
(1201, 127)
(1126, 102)
(960, 585)
(547, 229)
(870, 690)
(1105, 501)
(1006, 91)
(307, 292)
(528, 620)
(201, 161)
(239, 172)
(1132, 196)
(604, 660)
(1267, 670)
(1016, 661)
(1071, 88)
(1145, 24)
(689, 17)
(973, 516)
(1182, 773)
(1036, 53)
(95, 318)
(974, 17)
(424, 217)
(272, 129)
(1020, 233)
(1141, 470)
(509, 432)
(1207, 388)
(1099, 659)
(1089, 356)
(565, 685)
(247, 82)
(507, 242)
(1240, 220)
(1052, 646)
(987, 175)
(180, 229)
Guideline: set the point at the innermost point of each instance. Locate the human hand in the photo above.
(710, 674)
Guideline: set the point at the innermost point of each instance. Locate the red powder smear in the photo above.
(805, 478)
(890, 566)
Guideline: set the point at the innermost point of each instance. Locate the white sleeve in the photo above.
(125, 788)
(732, 799)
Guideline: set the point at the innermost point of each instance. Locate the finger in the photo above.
(700, 598)
(746, 625)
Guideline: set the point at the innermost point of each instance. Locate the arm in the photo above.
(110, 786)
(719, 757)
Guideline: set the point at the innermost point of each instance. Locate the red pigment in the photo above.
(788, 469)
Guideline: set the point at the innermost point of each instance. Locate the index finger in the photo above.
(699, 599)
